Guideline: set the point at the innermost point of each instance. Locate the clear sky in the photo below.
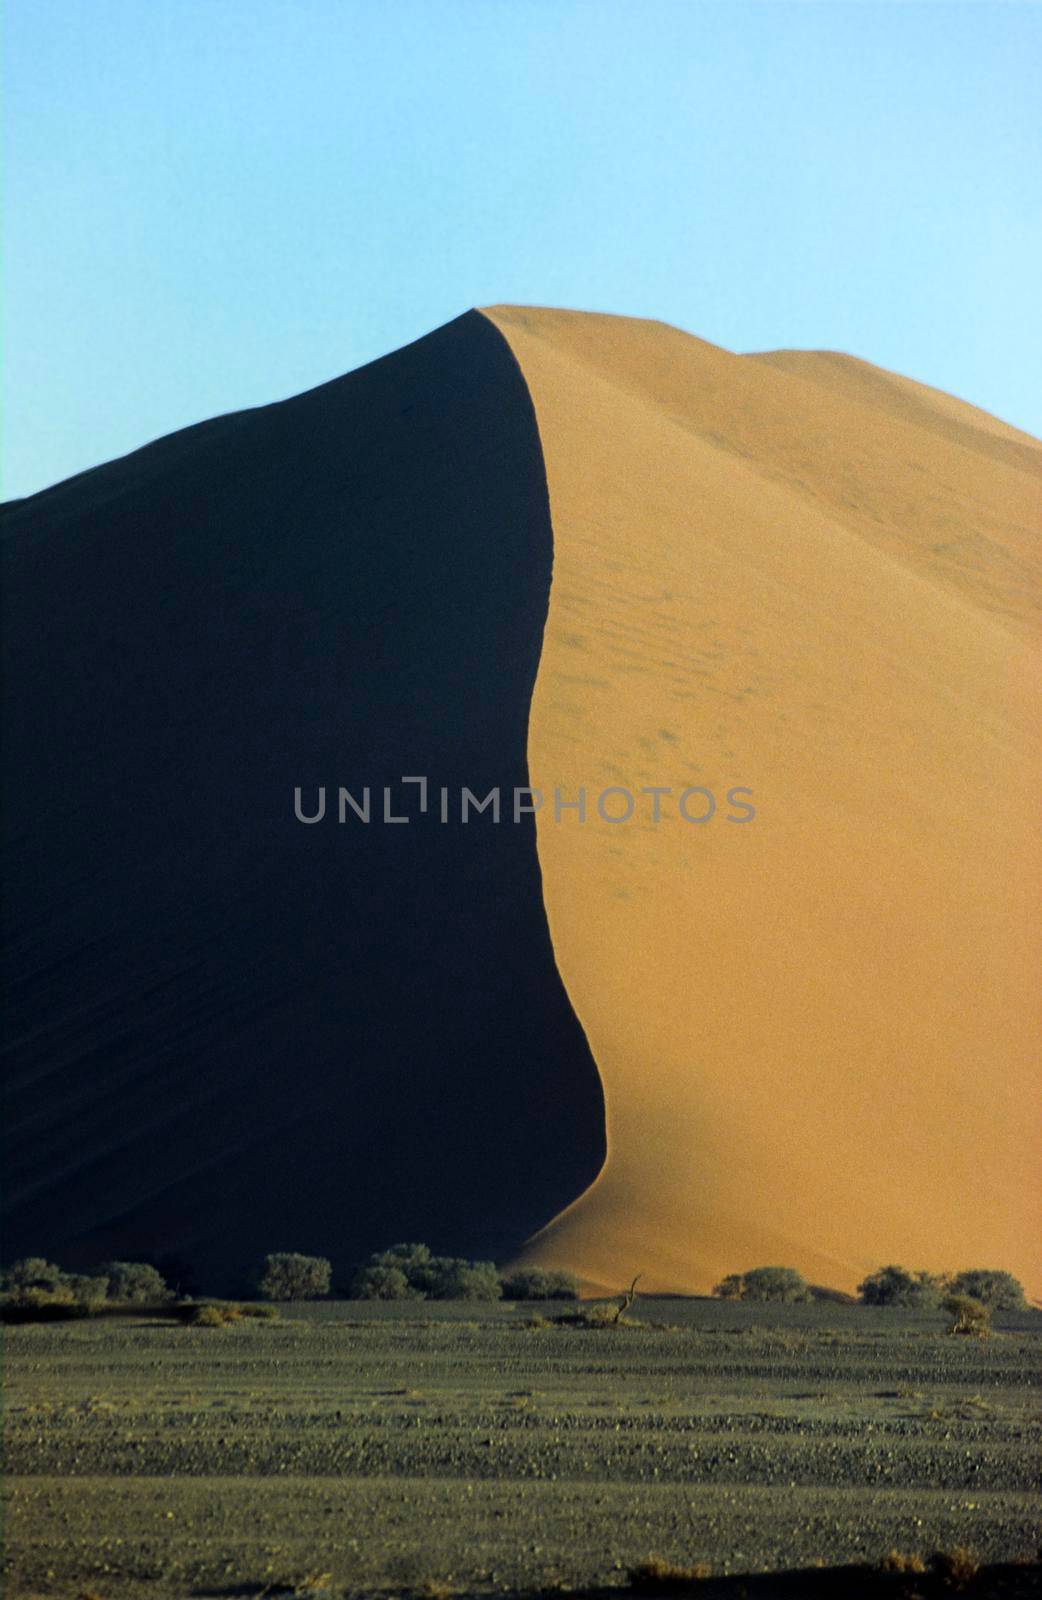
(217, 203)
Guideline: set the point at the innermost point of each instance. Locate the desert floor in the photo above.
(457, 1449)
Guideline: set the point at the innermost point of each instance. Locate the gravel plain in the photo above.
(447, 1449)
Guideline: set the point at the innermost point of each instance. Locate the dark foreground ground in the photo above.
(445, 1450)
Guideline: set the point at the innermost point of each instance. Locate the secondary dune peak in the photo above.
(753, 984)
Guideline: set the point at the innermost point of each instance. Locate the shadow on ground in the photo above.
(1005, 1581)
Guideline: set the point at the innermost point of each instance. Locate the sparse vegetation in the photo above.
(288, 1275)
(532, 1283)
(86, 1290)
(791, 1408)
(969, 1316)
(764, 1284)
(599, 1314)
(956, 1568)
(999, 1290)
(134, 1283)
(653, 1576)
(406, 1257)
(602, 1313)
(451, 1278)
(225, 1313)
(896, 1561)
(410, 1272)
(383, 1283)
(896, 1286)
(32, 1272)
(40, 1305)
(37, 1290)
(927, 1291)
(210, 1317)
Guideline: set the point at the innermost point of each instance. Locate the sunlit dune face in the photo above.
(817, 1030)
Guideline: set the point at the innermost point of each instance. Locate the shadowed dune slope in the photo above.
(228, 1032)
(818, 1031)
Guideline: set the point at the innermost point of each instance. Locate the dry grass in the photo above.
(654, 1575)
(956, 1567)
(597, 1315)
(209, 1317)
(897, 1561)
(225, 1313)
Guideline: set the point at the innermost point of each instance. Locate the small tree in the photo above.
(627, 1298)
(896, 1286)
(134, 1283)
(999, 1290)
(532, 1283)
(290, 1276)
(383, 1283)
(774, 1283)
(453, 1278)
(730, 1288)
(87, 1291)
(31, 1272)
(969, 1316)
(379, 1278)
(404, 1256)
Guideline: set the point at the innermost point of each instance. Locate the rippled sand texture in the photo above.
(817, 1032)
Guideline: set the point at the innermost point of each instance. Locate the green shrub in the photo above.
(597, 1314)
(41, 1305)
(210, 1317)
(762, 1284)
(134, 1283)
(44, 1290)
(86, 1290)
(410, 1272)
(453, 1278)
(404, 1272)
(969, 1316)
(223, 1313)
(32, 1272)
(290, 1276)
(402, 1256)
(60, 1295)
(896, 1286)
(999, 1290)
(532, 1283)
(383, 1283)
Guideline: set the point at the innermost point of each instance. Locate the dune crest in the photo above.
(227, 1032)
(817, 1032)
(809, 1038)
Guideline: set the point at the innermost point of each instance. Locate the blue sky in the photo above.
(217, 203)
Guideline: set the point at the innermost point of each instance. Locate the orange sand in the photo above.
(818, 1032)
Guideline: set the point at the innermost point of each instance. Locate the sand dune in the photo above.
(818, 1032)
(229, 1032)
(814, 1034)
